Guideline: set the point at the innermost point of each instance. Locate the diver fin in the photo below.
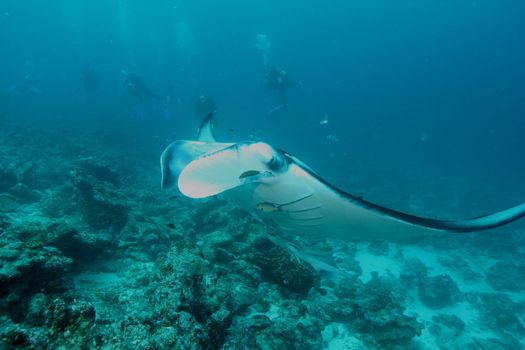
(206, 133)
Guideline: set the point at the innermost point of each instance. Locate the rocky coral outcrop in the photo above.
(439, 291)
(379, 316)
(505, 276)
(102, 206)
(446, 328)
(8, 203)
(24, 194)
(8, 179)
(413, 272)
(65, 323)
(279, 266)
(79, 244)
(371, 311)
(186, 285)
(499, 312)
(26, 269)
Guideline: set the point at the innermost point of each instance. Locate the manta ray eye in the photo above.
(277, 162)
(274, 163)
(273, 158)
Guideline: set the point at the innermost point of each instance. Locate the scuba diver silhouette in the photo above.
(148, 99)
(278, 79)
(136, 88)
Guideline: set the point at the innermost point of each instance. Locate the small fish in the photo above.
(173, 197)
(267, 207)
(171, 225)
(323, 121)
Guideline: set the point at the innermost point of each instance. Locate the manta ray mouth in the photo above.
(251, 176)
(249, 173)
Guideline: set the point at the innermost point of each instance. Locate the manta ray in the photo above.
(285, 192)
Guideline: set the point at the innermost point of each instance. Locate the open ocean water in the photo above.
(417, 106)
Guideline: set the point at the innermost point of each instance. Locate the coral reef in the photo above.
(446, 328)
(64, 323)
(413, 272)
(8, 179)
(505, 276)
(102, 206)
(278, 266)
(379, 315)
(94, 256)
(26, 268)
(438, 291)
(499, 312)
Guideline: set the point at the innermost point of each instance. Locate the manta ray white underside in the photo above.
(284, 191)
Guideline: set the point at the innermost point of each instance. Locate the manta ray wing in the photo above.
(179, 154)
(297, 200)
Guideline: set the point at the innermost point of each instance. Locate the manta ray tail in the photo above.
(480, 223)
(484, 222)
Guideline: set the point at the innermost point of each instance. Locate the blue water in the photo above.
(416, 105)
(429, 87)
